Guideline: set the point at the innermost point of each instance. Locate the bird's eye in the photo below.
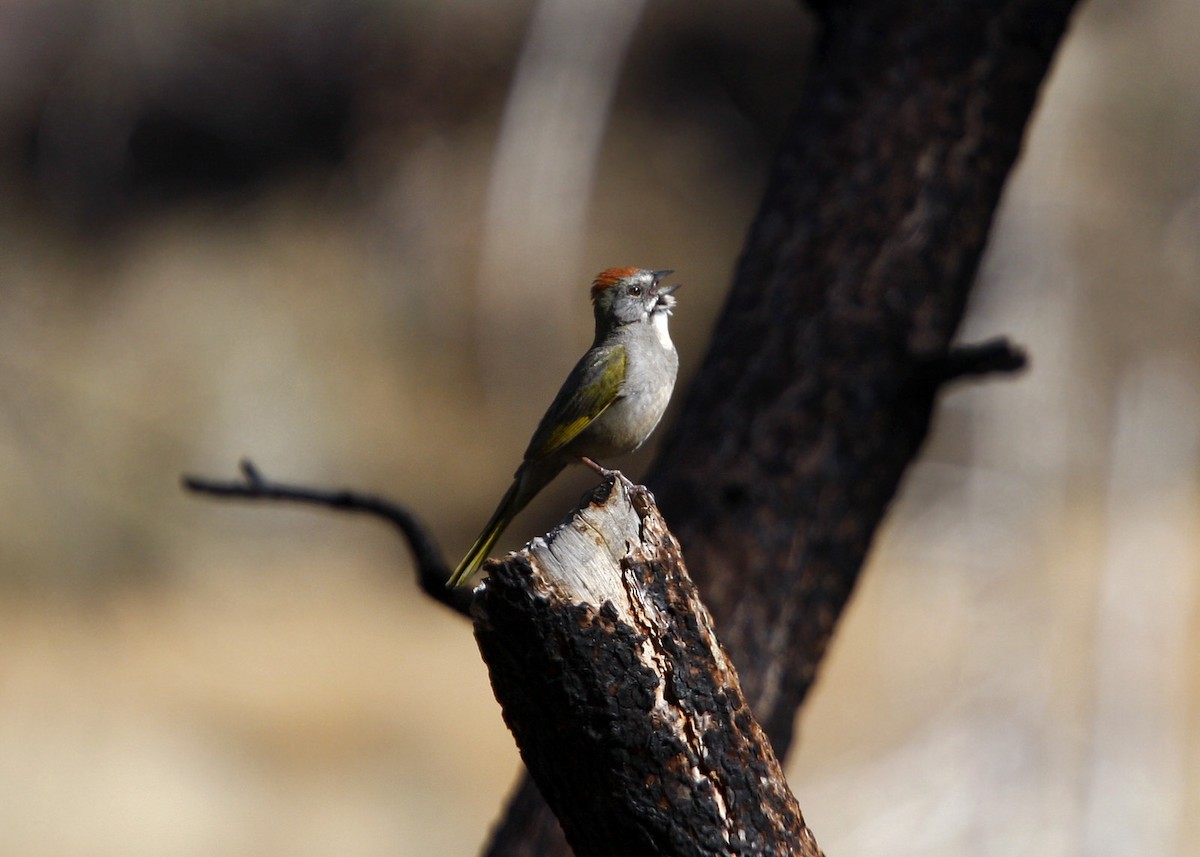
(636, 291)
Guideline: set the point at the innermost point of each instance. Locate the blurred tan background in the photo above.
(352, 242)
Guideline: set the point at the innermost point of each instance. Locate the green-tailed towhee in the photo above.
(609, 404)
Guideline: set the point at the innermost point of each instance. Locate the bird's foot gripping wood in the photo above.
(639, 494)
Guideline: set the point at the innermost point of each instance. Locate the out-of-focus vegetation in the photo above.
(352, 241)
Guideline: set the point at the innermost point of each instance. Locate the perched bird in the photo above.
(609, 404)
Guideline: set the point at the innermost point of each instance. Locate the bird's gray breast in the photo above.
(651, 366)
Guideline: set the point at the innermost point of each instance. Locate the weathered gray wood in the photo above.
(579, 557)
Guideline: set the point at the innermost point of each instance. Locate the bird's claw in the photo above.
(604, 472)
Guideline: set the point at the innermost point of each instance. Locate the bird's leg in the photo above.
(602, 472)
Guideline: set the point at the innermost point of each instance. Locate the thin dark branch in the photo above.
(432, 568)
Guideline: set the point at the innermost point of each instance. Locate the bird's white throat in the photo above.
(659, 320)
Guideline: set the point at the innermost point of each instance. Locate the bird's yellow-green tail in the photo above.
(510, 504)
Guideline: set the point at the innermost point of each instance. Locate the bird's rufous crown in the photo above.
(608, 278)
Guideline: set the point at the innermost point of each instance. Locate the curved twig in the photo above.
(432, 568)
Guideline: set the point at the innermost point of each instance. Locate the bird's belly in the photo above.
(626, 424)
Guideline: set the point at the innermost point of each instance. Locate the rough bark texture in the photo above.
(618, 670)
(818, 387)
(815, 395)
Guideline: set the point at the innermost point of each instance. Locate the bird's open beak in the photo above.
(660, 289)
(664, 300)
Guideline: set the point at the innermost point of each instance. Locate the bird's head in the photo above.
(629, 295)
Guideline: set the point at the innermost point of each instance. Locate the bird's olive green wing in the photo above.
(588, 391)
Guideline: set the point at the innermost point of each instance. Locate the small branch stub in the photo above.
(626, 709)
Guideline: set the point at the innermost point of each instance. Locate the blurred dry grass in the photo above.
(1019, 671)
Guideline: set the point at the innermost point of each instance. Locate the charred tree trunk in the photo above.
(819, 385)
(601, 653)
